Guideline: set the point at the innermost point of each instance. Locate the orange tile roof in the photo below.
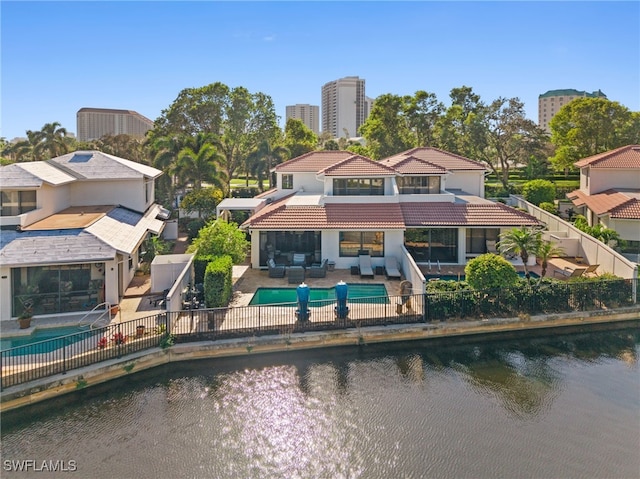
(280, 216)
(600, 203)
(357, 165)
(411, 165)
(623, 157)
(628, 211)
(464, 214)
(313, 161)
(444, 159)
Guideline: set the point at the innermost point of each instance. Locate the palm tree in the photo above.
(547, 250)
(199, 163)
(262, 159)
(521, 242)
(51, 141)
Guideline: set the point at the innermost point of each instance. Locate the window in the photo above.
(358, 186)
(13, 203)
(477, 239)
(425, 185)
(352, 242)
(287, 182)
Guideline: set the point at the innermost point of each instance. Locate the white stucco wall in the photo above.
(128, 193)
(627, 229)
(306, 181)
(49, 200)
(470, 182)
(602, 179)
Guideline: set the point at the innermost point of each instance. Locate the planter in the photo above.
(24, 323)
(139, 330)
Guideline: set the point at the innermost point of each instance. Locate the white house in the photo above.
(609, 192)
(72, 229)
(333, 204)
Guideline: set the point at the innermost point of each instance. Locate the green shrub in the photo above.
(217, 282)
(549, 207)
(193, 227)
(221, 238)
(200, 264)
(539, 191)
(490, 271)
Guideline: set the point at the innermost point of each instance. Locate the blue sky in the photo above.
(58, 57)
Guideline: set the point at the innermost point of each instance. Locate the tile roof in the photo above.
(411, 165)
(357, 165)
(124, 229)
(619, 204)
(599, 203)
(313, 161)
(95, 165)
(463, 214)
(444, 159)
(52, 247)
(623, 157)
(628, 211)
(282, 216)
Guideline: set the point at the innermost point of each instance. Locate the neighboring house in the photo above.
(72, 230)
(610, 193)
(334, 204)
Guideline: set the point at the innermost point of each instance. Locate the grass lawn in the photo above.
(241, 183)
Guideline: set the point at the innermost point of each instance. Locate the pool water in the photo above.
(358, 293)
(455, 277)
(39, 335)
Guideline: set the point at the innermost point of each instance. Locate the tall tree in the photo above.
(263, 158)
(423, 110)
(588, 126)
(522, 242)
(386, 129)
(51, 141)
(461, 121)
(298, 137)
(199, 163)
(238, 119)
(124, 146)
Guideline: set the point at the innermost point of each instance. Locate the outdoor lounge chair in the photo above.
(592, 269)
(366, 270)
(275, 270)
(569, 272)
(391, 267)
(318, 270)
(299, 259)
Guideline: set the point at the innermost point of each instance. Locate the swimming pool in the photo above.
(357, 293)
(40, 339)
(455, 277)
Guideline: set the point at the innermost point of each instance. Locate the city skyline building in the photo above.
(94, 123)
(344, 106)
(549, 103)
(309, 114)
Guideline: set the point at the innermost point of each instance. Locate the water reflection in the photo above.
(411, 410)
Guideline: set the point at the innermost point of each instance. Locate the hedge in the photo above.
(217, 282)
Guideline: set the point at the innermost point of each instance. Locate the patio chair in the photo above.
(391, 267)
(366, 271)
(569, 272)
(275, 270)
(592, 269)
(299, 259)
(318, 270)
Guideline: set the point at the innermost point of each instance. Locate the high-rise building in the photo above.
(309, 114)
(550, 102)
(94, 123)
(343, 106)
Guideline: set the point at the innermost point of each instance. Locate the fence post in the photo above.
(64, 357)
(424, 307)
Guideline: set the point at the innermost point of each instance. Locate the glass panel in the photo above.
(374, 242)
(349, 243)
(287, 182)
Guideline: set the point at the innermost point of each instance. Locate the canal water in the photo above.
(548, 407)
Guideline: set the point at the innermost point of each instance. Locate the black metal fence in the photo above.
(46, 358)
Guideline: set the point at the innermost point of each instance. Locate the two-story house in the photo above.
(334, 204)
(71, 230)
(610, 192)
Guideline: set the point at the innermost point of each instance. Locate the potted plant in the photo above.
(27, 313)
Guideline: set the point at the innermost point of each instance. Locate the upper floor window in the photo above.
(287, 182)
(424, 185)
(13, 203)
(358, 186)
